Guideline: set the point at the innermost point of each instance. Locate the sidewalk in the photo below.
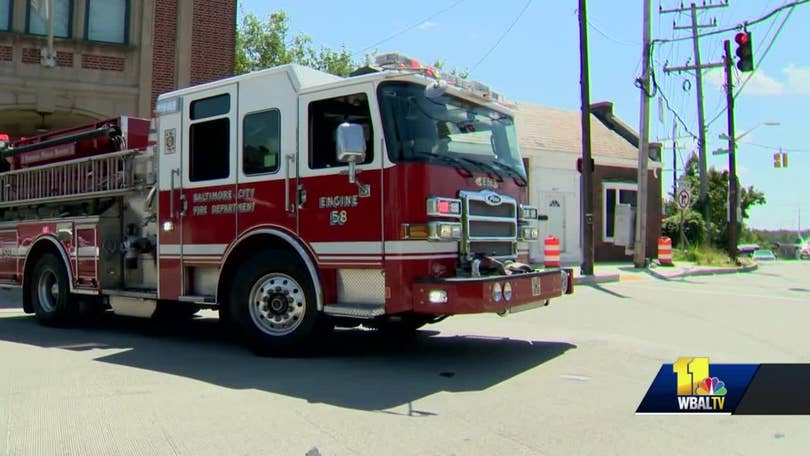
(626, 272)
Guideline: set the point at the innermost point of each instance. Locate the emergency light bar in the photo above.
(397, 61)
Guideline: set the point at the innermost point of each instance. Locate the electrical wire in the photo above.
(503, 35)
(739, 26)
(759, 62)
(657, 90)
(783, 149)
(411, 27)
(599, 31)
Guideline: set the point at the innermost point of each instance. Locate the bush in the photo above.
(703, 256)
(693, 226)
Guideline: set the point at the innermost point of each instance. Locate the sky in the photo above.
(529, 51)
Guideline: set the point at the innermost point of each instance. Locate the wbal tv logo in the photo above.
(697, 390)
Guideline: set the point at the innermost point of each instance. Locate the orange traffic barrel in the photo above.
(551, 252)
(665, 251)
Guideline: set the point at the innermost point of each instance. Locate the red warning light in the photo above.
(741, 38)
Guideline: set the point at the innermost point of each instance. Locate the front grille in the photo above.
(493, 249)
(490, 224)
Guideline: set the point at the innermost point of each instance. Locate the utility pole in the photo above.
(586, 194)
(674, 160)
(732, 162)
(698, 67)
(640, 247)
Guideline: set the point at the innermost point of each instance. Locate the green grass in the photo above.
(703, 256)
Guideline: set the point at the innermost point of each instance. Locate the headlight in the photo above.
(529, 233)
(528, 212)
(443, 207)
(444, 231)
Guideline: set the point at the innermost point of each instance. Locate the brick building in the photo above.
(109, 57)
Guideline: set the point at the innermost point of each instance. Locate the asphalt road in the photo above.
(559, 380)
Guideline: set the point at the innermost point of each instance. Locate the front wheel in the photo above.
(50, 291)
(274, 305)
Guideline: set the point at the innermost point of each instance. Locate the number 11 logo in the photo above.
(690, 371)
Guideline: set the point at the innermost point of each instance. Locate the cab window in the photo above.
(324, 118)
(209, 138)
(261, 142)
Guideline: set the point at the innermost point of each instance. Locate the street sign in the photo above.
(684, 198)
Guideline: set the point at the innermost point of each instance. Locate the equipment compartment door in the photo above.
(341, 220)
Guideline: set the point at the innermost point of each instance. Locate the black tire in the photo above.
(272, 303)
(50, 292)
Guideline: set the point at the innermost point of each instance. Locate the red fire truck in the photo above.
(289, 199)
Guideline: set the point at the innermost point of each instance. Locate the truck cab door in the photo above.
(341, 220)
(201, 180)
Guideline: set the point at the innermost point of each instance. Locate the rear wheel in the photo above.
(273, 304)
(50, 291)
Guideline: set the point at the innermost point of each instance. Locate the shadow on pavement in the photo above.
(598, 287)
(359, 369)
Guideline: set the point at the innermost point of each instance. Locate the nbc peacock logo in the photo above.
(697, 390)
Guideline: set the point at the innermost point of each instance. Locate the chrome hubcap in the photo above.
(48, 291)
(277, 304)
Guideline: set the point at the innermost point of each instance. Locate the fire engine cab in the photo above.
(289, 199)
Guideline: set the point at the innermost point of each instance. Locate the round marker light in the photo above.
(507, 291)
(497, 292)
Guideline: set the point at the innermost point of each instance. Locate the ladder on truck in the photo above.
(106, 175)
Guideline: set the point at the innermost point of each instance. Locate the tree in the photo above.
(716, 227)
(266, 43)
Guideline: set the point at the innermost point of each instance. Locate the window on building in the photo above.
(210, 139)
(262, 142)
(5, 14)
(324, 118)
(614, 193)
(38, 17)
(107, 21)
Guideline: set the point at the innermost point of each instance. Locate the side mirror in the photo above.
(351, 147)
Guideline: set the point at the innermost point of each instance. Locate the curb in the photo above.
(702, 272)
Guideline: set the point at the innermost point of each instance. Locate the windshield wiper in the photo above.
(519, 179)
(488, 168)
(457, 163)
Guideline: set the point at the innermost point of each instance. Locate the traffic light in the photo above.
(745, 52)
(780, 160)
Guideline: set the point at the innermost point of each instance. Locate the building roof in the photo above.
(553, 129)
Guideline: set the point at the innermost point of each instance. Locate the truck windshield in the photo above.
(448, 129)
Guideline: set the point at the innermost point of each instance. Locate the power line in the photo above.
(509, 29)
(411, 27)
(739, 26)
(759, 62)
(599, 31)
(657, 89)
(783, 149)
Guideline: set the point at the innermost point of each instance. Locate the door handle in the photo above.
(288, 159)
(171, 192)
